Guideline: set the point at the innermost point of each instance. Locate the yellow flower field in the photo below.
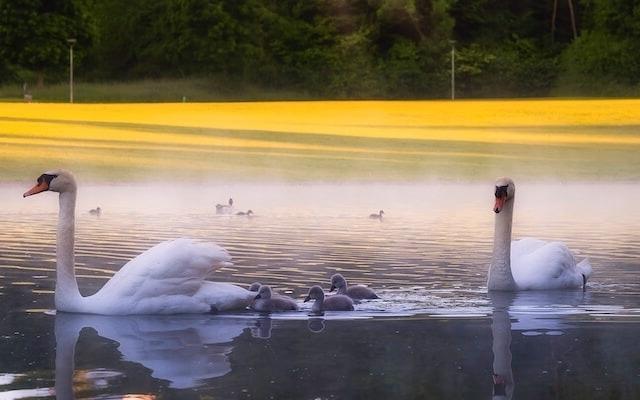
(348, 140)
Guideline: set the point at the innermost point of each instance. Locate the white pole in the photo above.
(453, 71)
(71, 73)
(71, 42)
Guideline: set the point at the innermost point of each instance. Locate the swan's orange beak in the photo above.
(499, 204)
(40, 187)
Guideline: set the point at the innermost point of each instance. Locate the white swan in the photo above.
(529, 264)
(166, 279)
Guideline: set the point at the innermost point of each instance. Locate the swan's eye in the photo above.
(501, 191)
(46, 178)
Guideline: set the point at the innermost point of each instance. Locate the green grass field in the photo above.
(146, 91)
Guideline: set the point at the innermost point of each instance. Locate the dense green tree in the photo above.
(275, 43)
(394, 48)
(34, 33)
(506, 48)
(413, 43)
(332, 48)
(606, 57)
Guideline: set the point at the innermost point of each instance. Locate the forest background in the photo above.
(319, 49)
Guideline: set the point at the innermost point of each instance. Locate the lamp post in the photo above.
(453, 69)
(71, 42)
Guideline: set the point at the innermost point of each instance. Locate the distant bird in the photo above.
(225, 208)
(357, 292)
(336, 302)
(26, 94)
(248, 213)
(96, 211)
(266, 302)
(377, 216)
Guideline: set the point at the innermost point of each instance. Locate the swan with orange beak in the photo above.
(529, 264)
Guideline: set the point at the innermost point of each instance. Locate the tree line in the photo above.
(333, 48)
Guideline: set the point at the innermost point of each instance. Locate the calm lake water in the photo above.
(435, 333)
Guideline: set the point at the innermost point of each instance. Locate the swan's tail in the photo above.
(585, 269)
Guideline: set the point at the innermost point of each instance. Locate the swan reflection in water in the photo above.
(183, 350)
(534, 312)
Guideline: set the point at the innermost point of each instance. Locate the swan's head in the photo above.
(315, 293)
(381, 213)
(505, 190)
(55, 181)
(337, 282)
(264, 292)
(255, 286)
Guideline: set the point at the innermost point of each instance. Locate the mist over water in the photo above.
(428, 258)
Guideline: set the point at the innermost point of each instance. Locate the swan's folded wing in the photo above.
(176, 267)
(521, 248)
(551, 266)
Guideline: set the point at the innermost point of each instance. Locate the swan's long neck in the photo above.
(500, 276)
(67, 292)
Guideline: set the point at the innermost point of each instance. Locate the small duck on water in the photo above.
(377, 216)
(225, 208)
(96, 211)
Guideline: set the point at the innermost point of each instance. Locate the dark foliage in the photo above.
(332, 48)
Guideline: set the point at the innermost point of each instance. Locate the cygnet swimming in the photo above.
(336, 302)
(357, 292)
(265, 302)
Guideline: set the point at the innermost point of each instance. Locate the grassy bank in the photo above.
(219, 89)
(402, 140)
(145, 91)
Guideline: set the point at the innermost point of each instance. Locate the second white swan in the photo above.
(529, 264)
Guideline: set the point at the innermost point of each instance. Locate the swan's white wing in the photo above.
(540, 265)
(222, 296)
(524, 246)
(163, 279)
